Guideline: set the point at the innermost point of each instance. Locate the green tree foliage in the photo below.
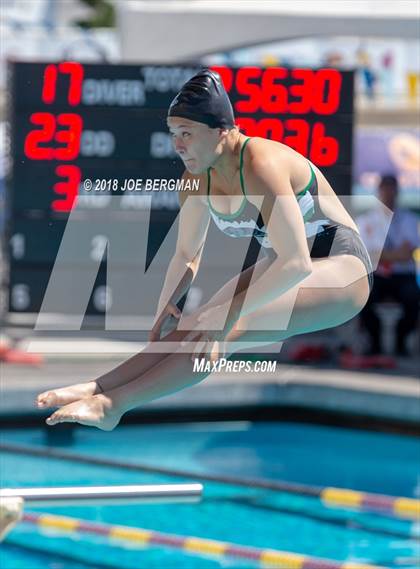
(103, 15)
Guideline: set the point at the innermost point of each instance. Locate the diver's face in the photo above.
(195, 143)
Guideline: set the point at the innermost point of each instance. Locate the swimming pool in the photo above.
(247, 515)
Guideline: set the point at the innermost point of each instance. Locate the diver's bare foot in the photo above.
(96, 411)
(66, 395)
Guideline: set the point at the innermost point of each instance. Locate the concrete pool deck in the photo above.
(391, 396)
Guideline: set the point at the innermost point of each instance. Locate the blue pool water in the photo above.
(303, 453)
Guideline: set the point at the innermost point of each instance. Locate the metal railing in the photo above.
(93, 495)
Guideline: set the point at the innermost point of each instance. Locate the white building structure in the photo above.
(156, 31)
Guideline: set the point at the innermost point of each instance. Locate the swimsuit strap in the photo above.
(241, 163)
(208, 182)
(310, 183)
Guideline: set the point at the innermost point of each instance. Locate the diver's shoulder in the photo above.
(262, 153)
(265, 149)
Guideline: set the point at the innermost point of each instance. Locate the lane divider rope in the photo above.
(400, 507)
(189, 544)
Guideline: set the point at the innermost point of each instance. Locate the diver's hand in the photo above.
(170, 310)
(208, 331)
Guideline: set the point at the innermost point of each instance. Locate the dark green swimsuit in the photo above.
(247, 221)
(325, 238)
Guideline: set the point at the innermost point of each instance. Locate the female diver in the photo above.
(315, 259)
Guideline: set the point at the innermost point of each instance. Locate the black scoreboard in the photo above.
(74, 124)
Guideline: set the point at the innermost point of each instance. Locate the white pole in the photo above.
(74, 495)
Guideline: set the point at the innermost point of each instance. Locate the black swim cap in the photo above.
(203, 99)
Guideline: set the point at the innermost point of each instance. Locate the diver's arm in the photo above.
(193, 225)
(180, 270)
(291, 262)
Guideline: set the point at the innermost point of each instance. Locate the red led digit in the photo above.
(245, 86)
(44, 134)
(266, 128)
(226, 74)
(69, 188)
(273, 94)
(76, 72)
(247, 125)
(270, 128)
(69, 136)
(300, 140)
(302, 91)
(50, 84)
(324, 149)
(49, 87)
(327, 91)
